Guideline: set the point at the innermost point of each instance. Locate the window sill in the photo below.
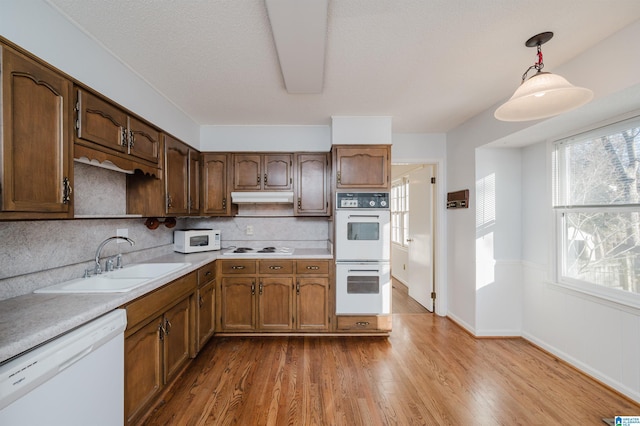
(617, 299)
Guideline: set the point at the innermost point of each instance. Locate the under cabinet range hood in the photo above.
(262, 197)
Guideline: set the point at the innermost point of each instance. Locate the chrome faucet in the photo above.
(97, 268)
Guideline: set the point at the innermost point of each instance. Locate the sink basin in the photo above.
(146, 270)
(120, 281)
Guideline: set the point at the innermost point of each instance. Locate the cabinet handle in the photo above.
(66, 191)
(200, 300)
(224, 204)
(298, 288)
(265, 178)
(338, 176)
(206, 274)
(299, 202)
(362, 323)
(275, 268)
(253, 288)
(169, 201)
(161, 331)
(167, 326)
(123, 136)
(313, 268)
(237, 267)
(261, 288)
(258, 178)
(132, 139)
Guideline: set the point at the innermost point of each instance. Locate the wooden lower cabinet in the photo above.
(312, 307)
(364, 323)
(157, 343)
(275, 304)
(205, 307)
(270, 296)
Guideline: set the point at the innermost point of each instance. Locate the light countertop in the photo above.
(32, 319)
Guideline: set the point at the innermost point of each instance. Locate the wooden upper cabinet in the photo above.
(101, 123)
(144, 140)
(176, 176)
(35, 146)
(182, 178)
(256, 172)
(312, 185)
(362, 166)
(194, 182)
(103, 126)
(214, 184)
(276, 174)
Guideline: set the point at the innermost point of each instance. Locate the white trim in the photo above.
(462, 323)
(586, 369)
(595, 294)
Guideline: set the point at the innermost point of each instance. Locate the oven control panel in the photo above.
(362, 200)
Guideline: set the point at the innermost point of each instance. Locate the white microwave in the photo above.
(196, 240)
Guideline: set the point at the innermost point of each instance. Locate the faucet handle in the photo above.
(108, 265)
(119, 264)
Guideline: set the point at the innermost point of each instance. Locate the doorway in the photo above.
(413, 196)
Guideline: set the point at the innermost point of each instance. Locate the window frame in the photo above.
(402, 214)
(600, 292)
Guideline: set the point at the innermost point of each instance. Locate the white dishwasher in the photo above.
(75, 379)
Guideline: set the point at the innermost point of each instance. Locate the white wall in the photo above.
(40, 29)
(265, 138)
(598, 337)
(498, 242)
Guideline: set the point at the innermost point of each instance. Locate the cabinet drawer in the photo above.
(230, 267)
(159, 300)
(276, 267)
(320, 267)
(365, 323)
(206, 273)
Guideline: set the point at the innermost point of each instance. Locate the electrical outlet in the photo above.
(122, 233)
(249, 229)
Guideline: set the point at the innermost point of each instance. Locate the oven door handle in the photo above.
(364, 270)
(375, 216)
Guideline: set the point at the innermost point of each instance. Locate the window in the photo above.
(400, 211)
(597, 206)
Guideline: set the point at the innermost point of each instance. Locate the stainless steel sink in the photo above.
(119, 281)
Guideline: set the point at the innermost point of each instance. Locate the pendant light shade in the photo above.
(543, 94)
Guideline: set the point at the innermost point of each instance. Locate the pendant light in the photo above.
(543, 94)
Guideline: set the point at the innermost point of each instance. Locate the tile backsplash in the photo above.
(36, 254)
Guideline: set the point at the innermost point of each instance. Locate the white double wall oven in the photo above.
(362, 246)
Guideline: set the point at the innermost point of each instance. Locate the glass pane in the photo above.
(603, 248)
(602, 170)
(363, 231)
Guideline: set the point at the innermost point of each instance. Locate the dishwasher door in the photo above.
(75, 379)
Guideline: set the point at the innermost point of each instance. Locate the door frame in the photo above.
(439, 231)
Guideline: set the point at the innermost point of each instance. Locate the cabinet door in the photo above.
(101, 123)
(194, 182)
(312, 189)
(214, 184)
(36, 138)
(275, 303)
(237, 303)
(362, 167)
(206, 313)
(277, 172)
(176, 339)
(176, 176)
(247, 172)
(144, 141)
(142, 369)
(312, 303)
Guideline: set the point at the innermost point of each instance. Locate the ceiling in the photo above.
(430, 64)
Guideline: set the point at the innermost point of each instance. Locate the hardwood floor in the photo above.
(428, 372)
(402, 302)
